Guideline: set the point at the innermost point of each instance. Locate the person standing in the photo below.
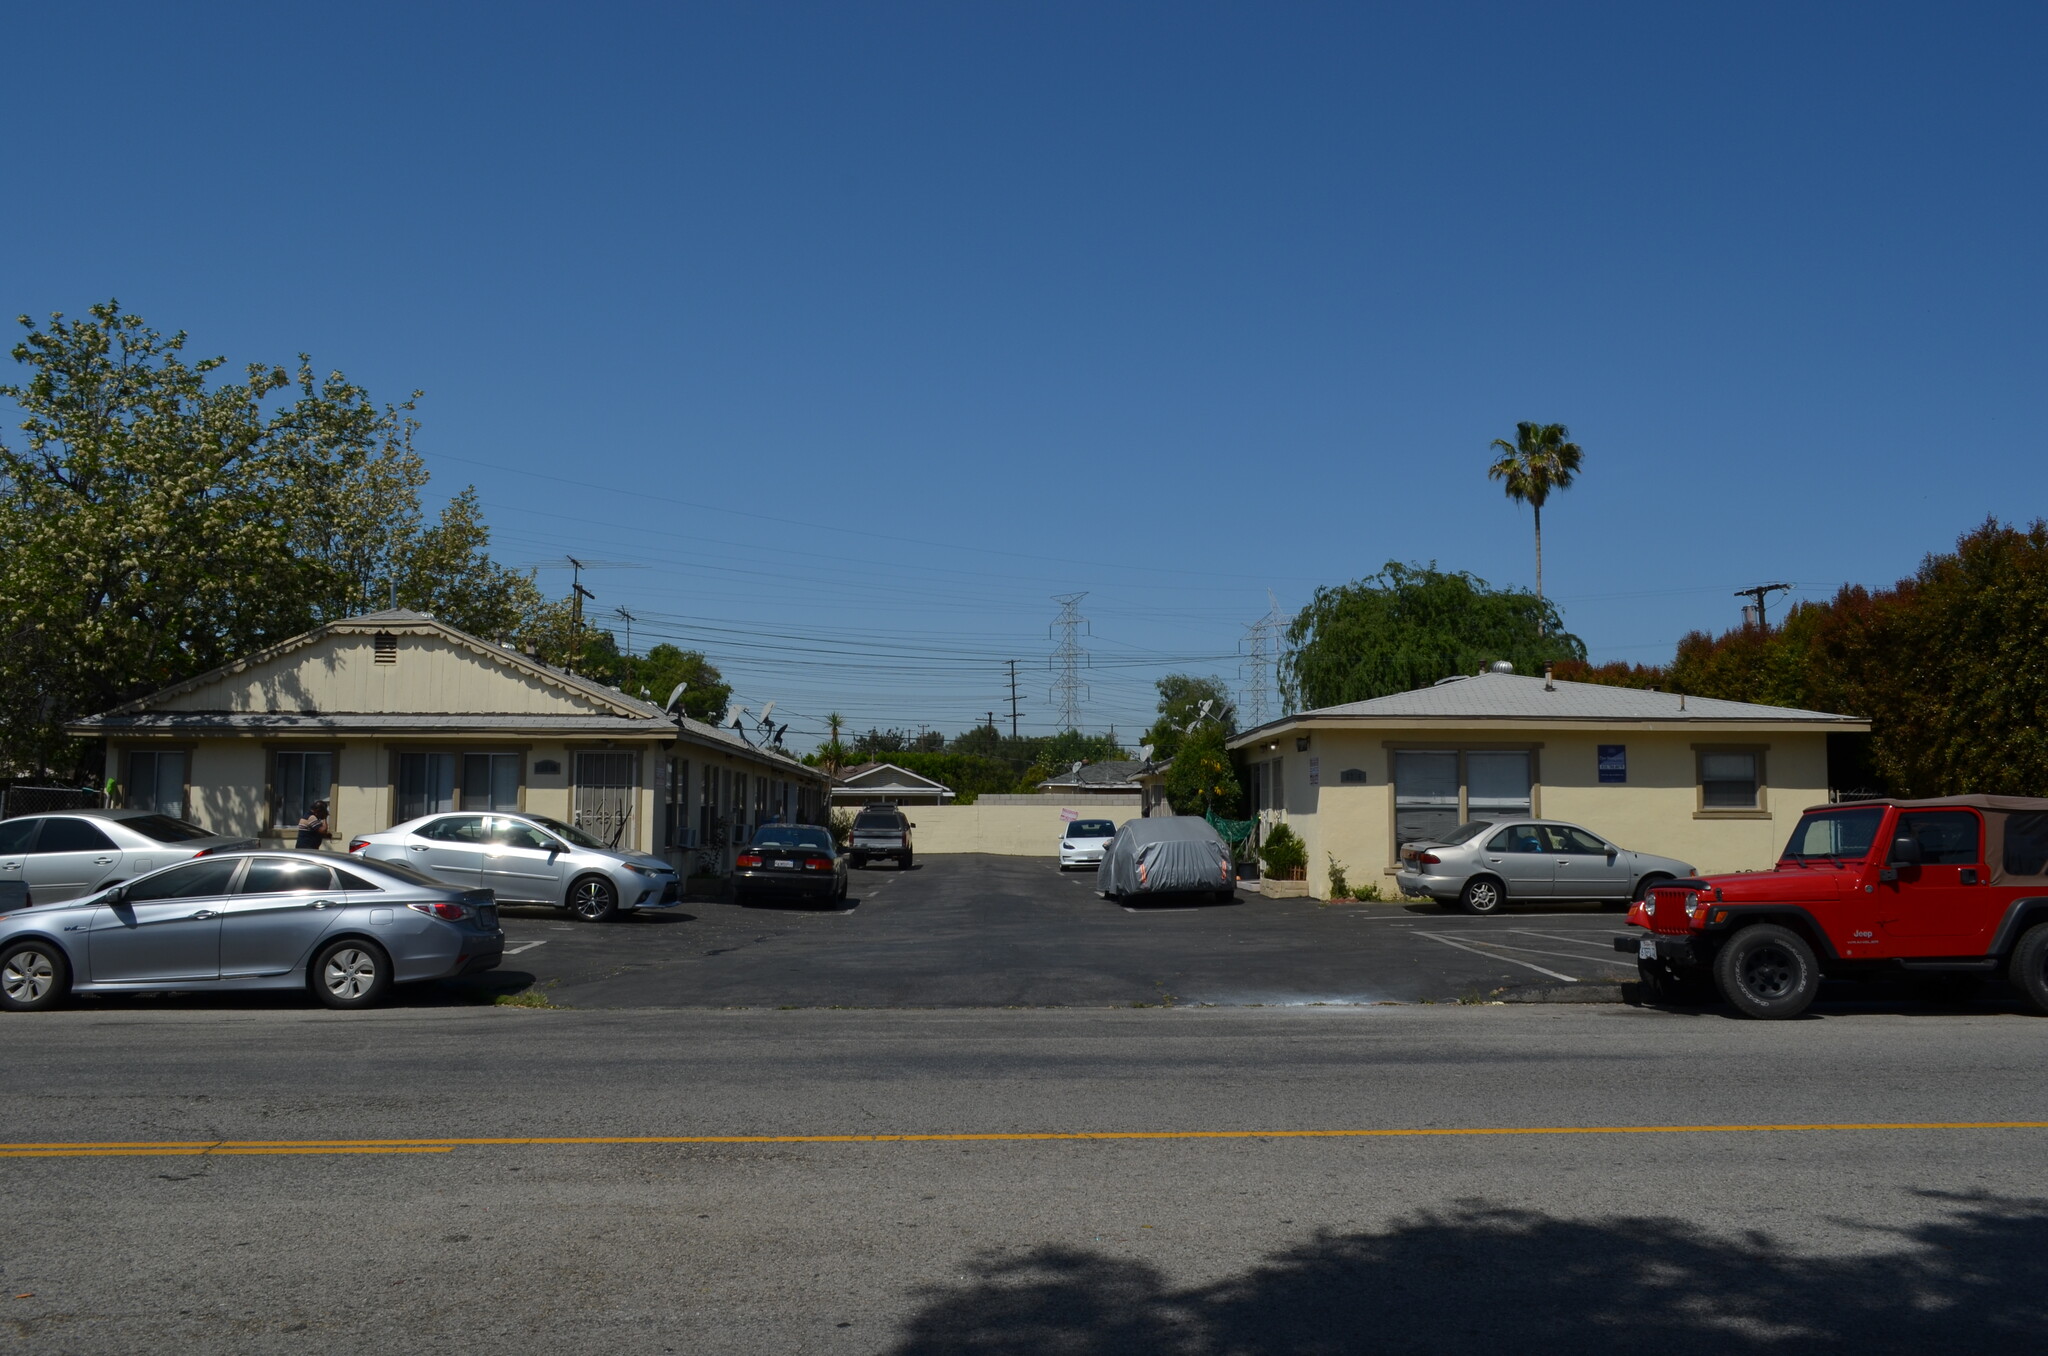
(313, 828)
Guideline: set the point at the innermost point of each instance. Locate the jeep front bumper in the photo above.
(1660, 947)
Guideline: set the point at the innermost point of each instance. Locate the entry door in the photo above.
(522, 863)
(1929, 908)
(1520, 857)
(276, 914)
(1586, 867)
(70, 859)
(167, 926)
(605, 783)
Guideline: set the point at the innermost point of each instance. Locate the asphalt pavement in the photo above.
(988, 931)
(1280, 1181)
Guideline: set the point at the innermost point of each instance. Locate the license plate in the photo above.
(1646, 949)
(785, 863)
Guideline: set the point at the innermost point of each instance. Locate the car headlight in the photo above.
(642, 870)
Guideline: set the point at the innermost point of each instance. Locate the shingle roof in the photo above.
(1109, 772)
(1513, 696)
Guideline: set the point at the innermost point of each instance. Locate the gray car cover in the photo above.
(1170, 853)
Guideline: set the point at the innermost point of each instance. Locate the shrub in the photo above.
(1283, 855)
(1340, 888)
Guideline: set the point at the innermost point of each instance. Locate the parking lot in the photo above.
(983, 931)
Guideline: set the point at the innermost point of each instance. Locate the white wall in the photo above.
(1007, 830)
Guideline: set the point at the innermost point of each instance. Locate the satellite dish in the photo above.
(674, 697)
(1075, 770)
(1145, 752)
(733, 712)
(766, 711)
(1207, 702)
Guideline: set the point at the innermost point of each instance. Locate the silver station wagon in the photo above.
(348, 930)
(528, 859)
(1484, 865)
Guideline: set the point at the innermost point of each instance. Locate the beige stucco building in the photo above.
(394, 715)
(1715, 783)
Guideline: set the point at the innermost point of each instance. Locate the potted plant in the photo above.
(1283, 858)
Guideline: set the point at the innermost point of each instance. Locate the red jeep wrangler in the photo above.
(1956, 885)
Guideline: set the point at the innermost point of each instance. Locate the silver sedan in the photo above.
(528, 859)
(50, 858)
(347, 930)
(1486, 864)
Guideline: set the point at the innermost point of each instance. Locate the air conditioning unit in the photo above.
(686, 837)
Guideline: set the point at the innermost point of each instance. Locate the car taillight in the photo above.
(358, 844)
(748, 860)
(818, 864)
(453, 913)
(1429, 859)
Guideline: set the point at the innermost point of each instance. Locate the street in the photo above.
(318, 1233)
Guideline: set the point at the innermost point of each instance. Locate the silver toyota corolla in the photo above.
(1484, 864)
(528, 859)
(54, 857)
(346, 929)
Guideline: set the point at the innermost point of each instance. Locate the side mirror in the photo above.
(1905, 851)
(913, 825)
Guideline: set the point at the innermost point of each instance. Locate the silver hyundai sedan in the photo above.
(528, 859)
(1485, 864)
(346, 929)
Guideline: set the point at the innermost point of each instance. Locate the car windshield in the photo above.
(1841, 834)
(792, 837)
(1465, 833)
(567, 832)
(165, 829)
(1092, 828)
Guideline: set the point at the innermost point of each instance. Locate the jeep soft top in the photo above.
(1954, 884)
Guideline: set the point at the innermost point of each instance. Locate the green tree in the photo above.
(654, 675)
(1181, 698)
(1542, 458)
(1410, 625)
(1202, 778)
(158, 520)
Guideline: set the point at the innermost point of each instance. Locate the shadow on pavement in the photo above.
(1484, 1278)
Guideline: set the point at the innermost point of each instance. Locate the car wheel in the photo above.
(593, 899)
(2029, 968)
(1482, 894)
(1767, 971)
(351, 974)
(33, 976)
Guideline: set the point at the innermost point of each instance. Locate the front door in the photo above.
(1586, 867)
(166, 927)
(1519, 856)
(71, 858)
(277, 912)
(522, 863)
(1941, 906)
(450, 849)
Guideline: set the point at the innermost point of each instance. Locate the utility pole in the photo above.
(1068, 658)
(577, 593)
(1761, 592)
(630, 619)
(1014, 699)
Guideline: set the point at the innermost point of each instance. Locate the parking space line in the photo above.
(1490, 955)
(524, 946)
(1605, 943)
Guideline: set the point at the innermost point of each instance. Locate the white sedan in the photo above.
(1082, 843)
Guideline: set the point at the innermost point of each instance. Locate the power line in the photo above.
(1067, 660)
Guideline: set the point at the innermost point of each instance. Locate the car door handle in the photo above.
(416, 847)
(323, 903)
(103, 861)
(203, 913)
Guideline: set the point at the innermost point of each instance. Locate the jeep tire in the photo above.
(1767, 971)
(2029, 967)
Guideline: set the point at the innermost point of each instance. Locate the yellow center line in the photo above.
(131, 1148)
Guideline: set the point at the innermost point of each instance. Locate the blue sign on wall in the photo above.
(1614, 762)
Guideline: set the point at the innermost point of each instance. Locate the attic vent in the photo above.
(386, 647)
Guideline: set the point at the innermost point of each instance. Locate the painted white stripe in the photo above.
(1494, 955)
(524, 946)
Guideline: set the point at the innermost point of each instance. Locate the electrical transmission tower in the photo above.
(1260, 693)
(1068, 659)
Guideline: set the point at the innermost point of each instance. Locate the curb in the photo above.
(1571, 993)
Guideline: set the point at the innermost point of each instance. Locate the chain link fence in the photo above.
(39, 800)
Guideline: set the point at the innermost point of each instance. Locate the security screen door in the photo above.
(605, 783)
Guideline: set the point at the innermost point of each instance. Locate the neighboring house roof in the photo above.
(1500, 698)
(1118, 773)
(880, 777)
(596, 709)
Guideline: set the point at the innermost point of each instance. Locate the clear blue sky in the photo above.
(850, 333)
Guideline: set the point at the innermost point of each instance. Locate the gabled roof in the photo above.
(898, 778)
(1501, 698)
(1118, 772)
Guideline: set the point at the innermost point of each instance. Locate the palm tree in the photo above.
(1542, 458)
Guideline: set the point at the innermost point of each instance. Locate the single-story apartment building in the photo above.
(887, 784)
(394, 714)
(1715, 783)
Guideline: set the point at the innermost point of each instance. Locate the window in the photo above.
(1842, 834)
(209, 876)
(164, 829)
(887, 820)
(426, 783)
(793, 836)
(707, 805)
(675, 818)
(511, 833)
(1946, 837)
(1516, 838)
(567, 831)
(156, 781)
(1566, 839)
(2026, 845)
(297, 780)
(15, 833)
(1465, 833)
(1425, 795)
(1729, 780)
(1091, 828)
(72, 835)
(1435, 790)
(454, 829)
(349, 880)
(490, 781)
(283, 876)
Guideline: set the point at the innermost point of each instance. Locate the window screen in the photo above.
(299, 779)
(156, 781)
(426, 783)
(490, 781)
(1425, 795)
(1497, 782)
(1728, 781)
